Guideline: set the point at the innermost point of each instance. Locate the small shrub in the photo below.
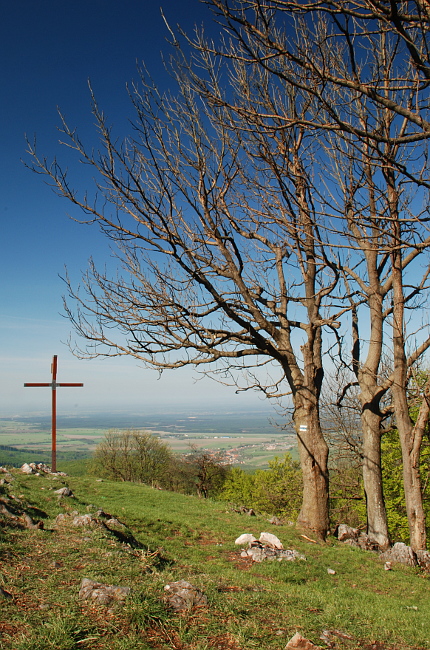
(134, 456)
(277, 490)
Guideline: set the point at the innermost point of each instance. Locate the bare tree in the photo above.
(303, 43)
(235, 257)
(225, 260)
(362, 69)
(387, 232)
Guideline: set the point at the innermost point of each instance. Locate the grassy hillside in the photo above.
(172, 537)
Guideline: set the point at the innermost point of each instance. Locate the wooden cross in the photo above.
(54, 385)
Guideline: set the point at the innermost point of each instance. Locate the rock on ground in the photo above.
(423, 558)
(64, 492)
(272, 540)
(38, 469)
(258, 553)
(246, 538)
(26, 469)
(353, 537)
(298, 642)
(345, 532)
(400, 553)
(182, 596)
(102, 594)
(75, 519)
(275, 521)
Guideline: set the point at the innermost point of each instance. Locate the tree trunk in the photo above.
(413, 499)
(410, 435)
(410, 441)
(377, 525)
(313, 449)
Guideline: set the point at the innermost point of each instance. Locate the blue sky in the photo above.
(49, 50)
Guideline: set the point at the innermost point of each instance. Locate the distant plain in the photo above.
(250, 438)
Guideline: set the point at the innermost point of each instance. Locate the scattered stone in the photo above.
(367, 543)
(271, 540)
(251, 512)
(84, 520)
(102, 514)
(331, 572)
(258, 553)
(423, 559)
(298, 642)
(275, 521)
(38, 469)
(62, 518)
(344, 532)
(388, 566)
(26, 469)
(64, 492)
(246, 538)
(183, 596)
(268, 547)
(400, 553)
(102, 594)
(115, 522)
(354, 537)
(75, 519)
(109, 520)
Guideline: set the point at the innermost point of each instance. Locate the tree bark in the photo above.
(313, 450)
(371, 418)
(410, 435)
(377, 524)
(413, 496)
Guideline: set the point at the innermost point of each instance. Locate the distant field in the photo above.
(31, 437)
(251, 441)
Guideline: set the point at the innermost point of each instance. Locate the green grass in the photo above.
(181, 537)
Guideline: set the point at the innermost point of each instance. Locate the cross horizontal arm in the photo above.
(52, 384)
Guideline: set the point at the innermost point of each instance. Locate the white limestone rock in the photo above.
(272, 540)
(26, 469)
(246, 538)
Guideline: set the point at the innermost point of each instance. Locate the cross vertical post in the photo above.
(53, 385)
(54, 413)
